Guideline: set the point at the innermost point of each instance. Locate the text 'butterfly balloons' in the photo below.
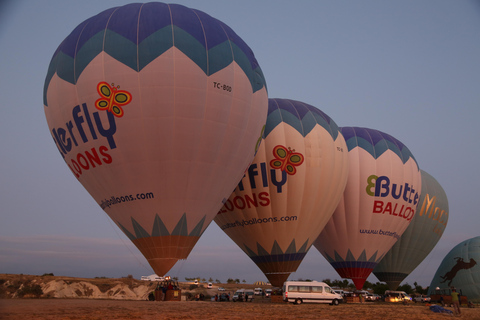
(289, 191)
(380, 199)
(157, 110)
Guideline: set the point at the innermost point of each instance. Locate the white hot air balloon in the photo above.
(380, 200)
(156, 109)
(290, 191)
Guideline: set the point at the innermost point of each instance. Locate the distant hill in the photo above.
(47, 286)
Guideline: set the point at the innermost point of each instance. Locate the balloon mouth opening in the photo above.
(162, 252)
(277, 279)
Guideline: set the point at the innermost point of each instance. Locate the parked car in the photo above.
(268, 292)
(258, 291)
(221, 289)
(372, 297)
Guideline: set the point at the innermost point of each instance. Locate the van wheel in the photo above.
(298, 301)
(334, 302)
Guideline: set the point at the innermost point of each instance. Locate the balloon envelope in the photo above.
(379, 201)
(289, 191)
(157, 110)
(420, 237)
(460, 269)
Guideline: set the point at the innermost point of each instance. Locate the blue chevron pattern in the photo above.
(137, 33)
(375, 142)
(301, 116)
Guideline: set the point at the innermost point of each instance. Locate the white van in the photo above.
(268, 292)
(243, 295)
(152, 277)
(238, 295)
(397, 296)
(258, 291)
(209, 285)
(310, 291)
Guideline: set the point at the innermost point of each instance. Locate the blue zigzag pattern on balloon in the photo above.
(159, 229)
(208, 42)
(301, 116)
(277, 254)
(351, 262)
(375, 142)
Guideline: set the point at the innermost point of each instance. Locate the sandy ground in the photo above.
(113, 309)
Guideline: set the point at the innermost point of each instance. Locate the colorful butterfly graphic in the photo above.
(286, 160)
(112, 99)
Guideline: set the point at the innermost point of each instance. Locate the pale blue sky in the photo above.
(408, 68)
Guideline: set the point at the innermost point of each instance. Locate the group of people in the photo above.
(456, 301)
(222, 297)
(161, 290)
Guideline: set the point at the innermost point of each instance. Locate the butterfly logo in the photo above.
(112, 99)
(286, 159)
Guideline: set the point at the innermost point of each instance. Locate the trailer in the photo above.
(444, 297)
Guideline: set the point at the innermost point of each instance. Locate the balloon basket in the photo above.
(170, 295)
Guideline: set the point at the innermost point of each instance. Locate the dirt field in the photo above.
(66, 309)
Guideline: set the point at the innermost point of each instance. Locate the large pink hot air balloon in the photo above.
(157, 110)
(380, 200)
(290, 191)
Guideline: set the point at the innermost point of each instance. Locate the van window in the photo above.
(303, 288)
(328, 290)
(317, 289)
(293, 288)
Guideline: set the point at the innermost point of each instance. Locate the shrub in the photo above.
(3, 293)
(34, 290)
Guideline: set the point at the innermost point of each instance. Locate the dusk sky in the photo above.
(408, 68)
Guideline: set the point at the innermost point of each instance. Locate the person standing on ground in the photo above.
(456, 302)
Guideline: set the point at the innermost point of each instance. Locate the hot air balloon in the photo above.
(380, 199)
(420, 237)
(157, 110)
(289, 191)
(460, 269)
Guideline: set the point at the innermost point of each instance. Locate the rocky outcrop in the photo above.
(19, 286)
